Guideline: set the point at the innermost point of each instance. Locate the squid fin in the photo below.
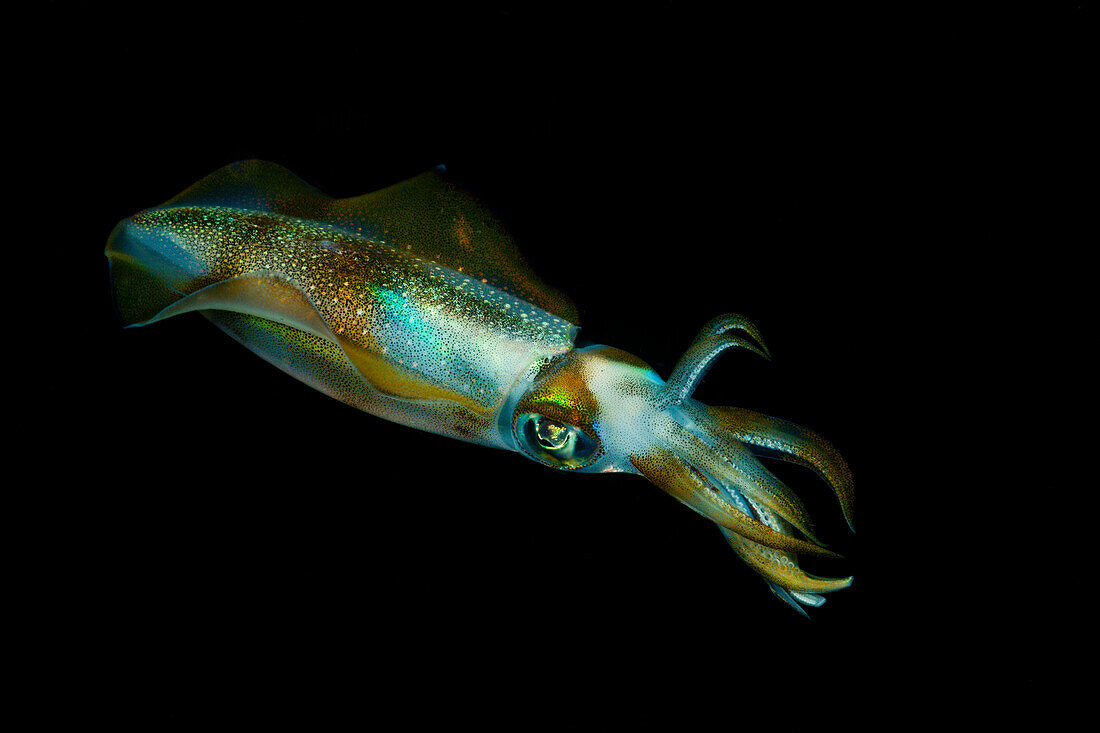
(429, 215)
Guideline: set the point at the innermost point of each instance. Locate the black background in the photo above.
(812, 169)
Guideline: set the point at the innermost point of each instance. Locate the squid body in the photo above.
(413, 304)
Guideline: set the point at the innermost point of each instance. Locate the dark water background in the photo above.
(816, 169)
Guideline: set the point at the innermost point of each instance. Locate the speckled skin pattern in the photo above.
(418, 342)
(413, 304)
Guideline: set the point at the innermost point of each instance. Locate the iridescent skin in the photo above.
(413, 304)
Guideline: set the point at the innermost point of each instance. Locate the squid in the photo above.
(414, 304)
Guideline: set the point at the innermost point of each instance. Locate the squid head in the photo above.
(601, 409)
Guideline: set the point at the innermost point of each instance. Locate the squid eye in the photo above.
(554, 443)
(551, 435)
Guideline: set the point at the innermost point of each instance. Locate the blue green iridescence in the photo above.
(453, 331)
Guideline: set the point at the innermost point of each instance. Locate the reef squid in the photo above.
(414, 304)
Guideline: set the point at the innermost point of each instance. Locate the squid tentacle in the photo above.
(810, 599)
(731, 322)
(745, 500)
(792, 599)
(780, 569)
(693, 365)
(731, 465)
(756, 482)
(793, 443)
(686, 483)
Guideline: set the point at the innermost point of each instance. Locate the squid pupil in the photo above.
(550, 434)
